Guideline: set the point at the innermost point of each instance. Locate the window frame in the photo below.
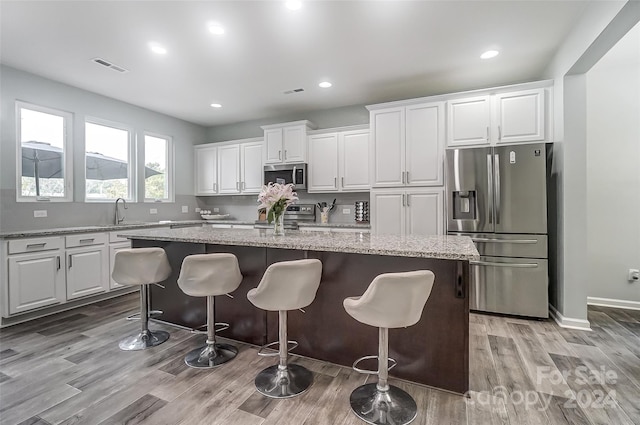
(132, 169)
(67, 147)
(170, 182)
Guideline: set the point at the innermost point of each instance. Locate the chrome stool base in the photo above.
(208, 357)
(284, 383)
(143, 340)
(392, 407)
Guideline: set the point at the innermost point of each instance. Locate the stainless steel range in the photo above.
(498, 197)
(292, 216)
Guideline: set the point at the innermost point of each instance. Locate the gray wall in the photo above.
(613, 177)
(19, 85)
(328, 118)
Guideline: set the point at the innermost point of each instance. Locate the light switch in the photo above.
(39, 213)
(185, 209)
(216, 210)
(346, 211)
(197, 209)
(153, 211)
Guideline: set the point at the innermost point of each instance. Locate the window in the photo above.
(44, 162)
(158, 168)
(108, 162)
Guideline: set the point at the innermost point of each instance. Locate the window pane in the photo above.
(107, 162)
(155, 172)
(42, 138)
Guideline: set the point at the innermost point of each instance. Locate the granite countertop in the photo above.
(300, 224)
(441, 247)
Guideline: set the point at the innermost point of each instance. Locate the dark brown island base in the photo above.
(433, 352)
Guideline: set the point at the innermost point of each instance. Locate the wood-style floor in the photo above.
(68, 369)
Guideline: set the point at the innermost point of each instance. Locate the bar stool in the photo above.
(209, 275)
(287, 285)
(393, 300)
(143, 267)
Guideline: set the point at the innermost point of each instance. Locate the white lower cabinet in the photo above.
(407, 212)
(35, 280)
(87, 271)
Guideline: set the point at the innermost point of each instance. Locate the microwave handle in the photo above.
(293, 176)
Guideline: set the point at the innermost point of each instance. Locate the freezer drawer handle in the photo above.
(513, 265)
(520, 241)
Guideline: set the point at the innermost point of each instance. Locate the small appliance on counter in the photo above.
(362, 211)
(292, 216)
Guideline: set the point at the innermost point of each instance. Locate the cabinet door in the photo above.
(520, 116)
(273, 146)
(251, 167)
(468, 121)
(388, 147)
(354, 160)
(295, 139)
(323, 163)
(206, 171)
(388, 213)
(229, 169)
(113, 248)
(35, 280)
(425, 145)
(87, 271)
(425, 213)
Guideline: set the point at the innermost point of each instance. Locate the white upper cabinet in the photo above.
(229, 169)
(206, 171)
(339, 161)
(469, 121)
(408, 145)
(520, 116)
(323, 163)
(286, 143)
(251, 167)
(501, 118)
(353, 157)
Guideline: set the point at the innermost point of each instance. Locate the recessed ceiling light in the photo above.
(293, 5)
(216, 29)
(489, 54)
(216, 105)
(157, 48)
(325, 84)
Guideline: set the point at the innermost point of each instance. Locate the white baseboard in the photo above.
(569, 322)
(610, 302)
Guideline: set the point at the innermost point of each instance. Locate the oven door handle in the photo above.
(512, 265)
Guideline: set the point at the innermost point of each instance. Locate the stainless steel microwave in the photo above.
(287, 173)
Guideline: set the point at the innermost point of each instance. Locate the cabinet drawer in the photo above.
(85, 239)
(113, 237)
(34, 244)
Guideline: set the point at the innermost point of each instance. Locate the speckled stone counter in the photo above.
(441, 247)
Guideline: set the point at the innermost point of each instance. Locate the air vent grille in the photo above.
(109, 65)
(293, 91)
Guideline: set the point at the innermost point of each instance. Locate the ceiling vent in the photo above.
(108, 64)
(293, 91)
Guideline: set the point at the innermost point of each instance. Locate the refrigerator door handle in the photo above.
(496, 167)
(513, 265)
(520, 241)
(490, 187)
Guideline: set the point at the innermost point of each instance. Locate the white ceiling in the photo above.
(372, 51)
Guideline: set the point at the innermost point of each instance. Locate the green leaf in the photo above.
(270, 216)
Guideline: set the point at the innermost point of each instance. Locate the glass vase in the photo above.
(278, 225)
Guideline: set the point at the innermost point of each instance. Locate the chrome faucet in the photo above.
(119, 220)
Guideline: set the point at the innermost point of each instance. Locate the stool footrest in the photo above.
(368, 371)
(223, 327)
(136, 316)
(261, 352)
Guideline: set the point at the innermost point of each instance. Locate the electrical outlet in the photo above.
(39, 213)
(346, 211)
(185, 209)
(153, 211)
(634, 275)
(216, 210)
(198, 209)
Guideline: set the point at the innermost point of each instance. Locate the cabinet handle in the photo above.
(342, 181)
(36, 245)
(280, 155)
(408, 200)
(285, 154)
(87, 240)
(487, 133)
(499, 133)
(215, 187)
(70, 261)
(238, 186)
(407, 177)
(243, 185)
(58, 259)
(403, 178)
(335, 182)
(403, 204)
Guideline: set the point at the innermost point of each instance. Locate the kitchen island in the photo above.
(434, 352)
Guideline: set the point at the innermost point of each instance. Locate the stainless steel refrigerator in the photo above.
(498, 197)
